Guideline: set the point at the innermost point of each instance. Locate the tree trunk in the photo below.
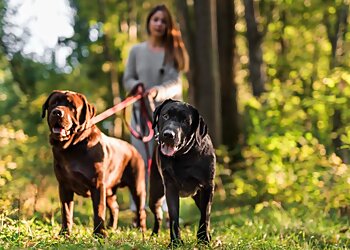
(187, 31)
(207, 95)
(337, 40)
(226, 39)
(255, 38)
(113, 74)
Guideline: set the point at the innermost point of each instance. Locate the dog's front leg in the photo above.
(173, 202)
(113, 206)
(67, 204)
(203, 200)
(98, 196)
(156, 195)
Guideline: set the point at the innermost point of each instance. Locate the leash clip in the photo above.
(156, 138)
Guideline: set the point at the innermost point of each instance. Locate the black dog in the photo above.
(183, 165)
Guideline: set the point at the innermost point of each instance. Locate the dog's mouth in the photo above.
(168, 149)
(60, 125)
(60, 131)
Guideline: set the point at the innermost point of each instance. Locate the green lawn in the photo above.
(232, 228)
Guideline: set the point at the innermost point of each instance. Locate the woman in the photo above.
(156, 63)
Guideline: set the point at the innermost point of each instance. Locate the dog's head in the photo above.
(179, 125)
(68, 112)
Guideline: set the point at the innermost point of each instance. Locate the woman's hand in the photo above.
(152, 92)
(140, 89)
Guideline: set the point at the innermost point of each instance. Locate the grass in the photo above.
(233, 227)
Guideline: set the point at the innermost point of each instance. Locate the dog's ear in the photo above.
(202, 130)
(156, 112)
(92, 110)
(199, 127)
(46, 104)
(87, 112)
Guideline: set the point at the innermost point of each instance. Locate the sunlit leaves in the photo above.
(285, 158)
(289, 152)
(9, 141)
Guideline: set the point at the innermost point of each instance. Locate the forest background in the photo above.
(271, 79)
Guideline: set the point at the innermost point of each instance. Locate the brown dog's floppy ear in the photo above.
(92, 110)
(156, 112)
(87, 112)
(46, 104)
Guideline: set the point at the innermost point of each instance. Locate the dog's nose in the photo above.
(57, 112)
(169, 134)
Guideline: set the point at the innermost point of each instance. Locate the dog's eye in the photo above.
(165, 116)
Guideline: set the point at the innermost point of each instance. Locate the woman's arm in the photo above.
(171, 87)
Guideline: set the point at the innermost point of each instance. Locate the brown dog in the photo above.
(89, 163)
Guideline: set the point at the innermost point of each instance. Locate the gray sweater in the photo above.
(146, 66)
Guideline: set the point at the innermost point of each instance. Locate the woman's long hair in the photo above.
(175, 49)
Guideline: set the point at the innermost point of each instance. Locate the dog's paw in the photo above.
(64, 232)
(175, 243)
(143, 228)
(101, 233)
(154, 234)
(203, 238)
(112, 224)
(139, 223)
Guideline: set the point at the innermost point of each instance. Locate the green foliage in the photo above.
(289, 155)
(11, 141)
(24, 157)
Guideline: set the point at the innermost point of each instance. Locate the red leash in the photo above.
(143, 114)
(147, 118)
(111, 111)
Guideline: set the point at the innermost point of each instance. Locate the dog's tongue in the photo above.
(167, 150)
(60, 131)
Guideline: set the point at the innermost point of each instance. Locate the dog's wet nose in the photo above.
(169, 134)
(58, 112)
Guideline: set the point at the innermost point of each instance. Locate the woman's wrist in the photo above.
(153, 92)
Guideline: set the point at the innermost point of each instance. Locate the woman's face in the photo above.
(157, 24)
